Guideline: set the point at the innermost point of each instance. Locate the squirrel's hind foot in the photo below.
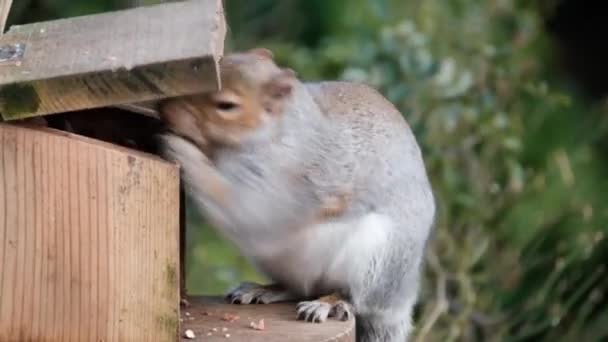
(319, 310)
(252, 293)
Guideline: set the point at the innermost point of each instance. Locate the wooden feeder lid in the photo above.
(107, 59)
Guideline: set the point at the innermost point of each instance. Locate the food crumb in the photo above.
(230, 317)
(187, 313)
(224, 329)
(189, 334)
(214, 329)
(184, 302)
(227, 335)
(209, 334)
(257, 326)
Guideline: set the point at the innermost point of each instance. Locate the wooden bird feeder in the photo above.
(91, 232)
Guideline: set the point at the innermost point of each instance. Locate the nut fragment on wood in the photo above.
(230, 317)
(189, 334)
(257, 326)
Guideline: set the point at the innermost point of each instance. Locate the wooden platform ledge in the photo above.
(212, 319)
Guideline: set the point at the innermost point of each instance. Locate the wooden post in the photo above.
(134, 55)
(89, 240)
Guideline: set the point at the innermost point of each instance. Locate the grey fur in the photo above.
(334, 137)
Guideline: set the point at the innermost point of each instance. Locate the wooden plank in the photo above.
(133, 55)
(5, 8)
(182, 242)
(204, 314)
(88, 240)
(144, 108)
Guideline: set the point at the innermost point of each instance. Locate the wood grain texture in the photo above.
(182, 243)
(5, 8)
(204, 314)
(133, 55)
(89, 244)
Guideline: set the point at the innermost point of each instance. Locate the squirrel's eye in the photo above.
(226, 105)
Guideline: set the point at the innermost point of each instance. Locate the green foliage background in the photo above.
(516, 155)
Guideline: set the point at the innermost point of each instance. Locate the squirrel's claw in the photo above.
(313, 311)
(252, 293)
(341, 311)
(319, 310)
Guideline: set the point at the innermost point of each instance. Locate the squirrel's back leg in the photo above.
(379, 266)
(384, 300)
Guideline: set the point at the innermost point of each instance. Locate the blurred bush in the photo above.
(517, 157)
(519, 252)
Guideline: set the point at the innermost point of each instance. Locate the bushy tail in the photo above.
(380, 329)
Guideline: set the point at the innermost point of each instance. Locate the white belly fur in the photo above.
(325, 257)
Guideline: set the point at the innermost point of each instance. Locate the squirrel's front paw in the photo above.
(319, 310)
(248, 293)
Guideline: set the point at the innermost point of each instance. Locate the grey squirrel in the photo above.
(322, 186)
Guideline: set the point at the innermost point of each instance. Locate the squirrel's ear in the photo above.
(276, 90)
(281, 85)
(262, 52)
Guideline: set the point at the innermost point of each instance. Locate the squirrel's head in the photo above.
(253, 94)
